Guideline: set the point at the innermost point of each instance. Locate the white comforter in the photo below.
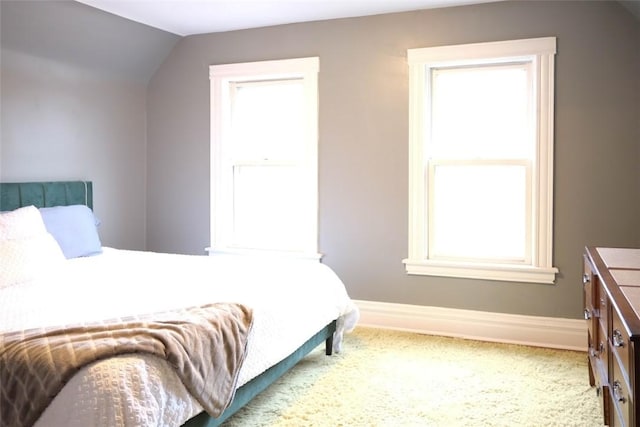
(291, 301)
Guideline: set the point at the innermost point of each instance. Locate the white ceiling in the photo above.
(187, 17)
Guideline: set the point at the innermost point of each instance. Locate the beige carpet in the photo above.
(390, 378)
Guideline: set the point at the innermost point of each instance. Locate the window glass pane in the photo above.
(479, 211)
(268, 207)
(267, 120)
(480, 112)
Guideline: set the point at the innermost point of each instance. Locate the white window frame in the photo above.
(538, 265)
(222, 78)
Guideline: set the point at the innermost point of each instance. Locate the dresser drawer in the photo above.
(601, 304)
(603, 392)
(589, 291)
(602, 353)
(616, 418)
(590, 312)
(621, 396)
(620, 345)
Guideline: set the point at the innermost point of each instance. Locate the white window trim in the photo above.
(541, 52)
(221, 77)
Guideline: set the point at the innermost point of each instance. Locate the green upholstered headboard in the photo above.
(15, 195)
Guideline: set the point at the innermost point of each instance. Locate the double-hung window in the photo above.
(481, 161)
(264, 189)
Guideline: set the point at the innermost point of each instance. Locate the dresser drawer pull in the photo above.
(585, 279)
(617, 339)
(587, 314)
(617, 392)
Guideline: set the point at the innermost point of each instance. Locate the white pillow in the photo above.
(21, 223)
(29, 258)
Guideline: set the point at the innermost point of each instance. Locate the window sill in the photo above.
(264, 253)
(501, 272)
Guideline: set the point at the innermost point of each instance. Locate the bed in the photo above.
(267, 314)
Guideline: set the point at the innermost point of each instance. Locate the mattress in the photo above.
(291, 300)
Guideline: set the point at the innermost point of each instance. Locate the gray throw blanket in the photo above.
(205, 345)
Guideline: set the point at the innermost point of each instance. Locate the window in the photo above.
(481, 161)
(264, 185)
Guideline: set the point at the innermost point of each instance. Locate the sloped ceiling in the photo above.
(74, 33)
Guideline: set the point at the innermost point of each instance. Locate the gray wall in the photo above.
(363, 141)
(73, 94)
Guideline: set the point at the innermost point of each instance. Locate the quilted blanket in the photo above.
(206, 346)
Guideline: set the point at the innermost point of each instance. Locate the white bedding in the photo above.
(291, 301)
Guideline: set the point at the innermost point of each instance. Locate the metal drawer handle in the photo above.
(587, 314)
(618, 340)
(617, 392)
(585, 279)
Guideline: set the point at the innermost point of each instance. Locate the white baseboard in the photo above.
(551, 332)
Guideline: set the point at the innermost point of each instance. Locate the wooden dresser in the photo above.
(611, 284)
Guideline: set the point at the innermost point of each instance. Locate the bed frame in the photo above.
(251, 389)
(63, 193)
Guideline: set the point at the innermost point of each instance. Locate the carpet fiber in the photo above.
(391, 378)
